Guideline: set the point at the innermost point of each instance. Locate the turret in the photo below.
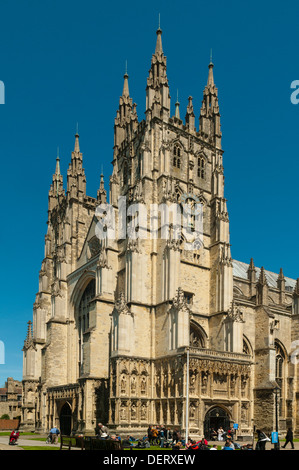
(76, 180)
(157, 90)
(126, 120)
(56, 188)
(209, 121)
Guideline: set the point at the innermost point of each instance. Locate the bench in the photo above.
(94, 443)
(70, 442)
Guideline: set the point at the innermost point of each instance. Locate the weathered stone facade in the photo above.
(11, 398)
(123, 326)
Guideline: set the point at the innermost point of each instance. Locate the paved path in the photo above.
(27, 441)
(24, 441)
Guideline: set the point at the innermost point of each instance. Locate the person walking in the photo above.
(289, 439)
(262, 438)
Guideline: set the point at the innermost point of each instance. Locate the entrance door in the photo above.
(215, 418)
(65, 420)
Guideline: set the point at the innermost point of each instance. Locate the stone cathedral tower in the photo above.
(122, 316)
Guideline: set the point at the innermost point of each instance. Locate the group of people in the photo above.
(165, 437)
(221, 434)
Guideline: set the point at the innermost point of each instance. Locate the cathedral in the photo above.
(138, 330)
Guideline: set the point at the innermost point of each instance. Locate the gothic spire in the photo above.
(57, 170)
(56, 188)
(76, 180)
(77, 146)
(209, 113)
(126, 93)
(159, 48)
(211, 74)
(157, 90)
(177, 107)
(190, 116)
(126, 116)
(102, 193)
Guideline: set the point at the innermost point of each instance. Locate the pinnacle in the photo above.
(159, 48)
(262, 278)
(126, 93)
(281, 275)
(57, 170)
(177, 107)
(251, 265)
(211, 75)
(77, 147)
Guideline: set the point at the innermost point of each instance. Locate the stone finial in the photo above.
(102, 193)
(262, 278)
(159, 48)
(251, 271)
(177, 107)
(211, 75)
(126, 93)
(281, 280)
(77, 146)
(29, 336)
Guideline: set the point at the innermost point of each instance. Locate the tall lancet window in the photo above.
(83, 319)
(176, 156)
(125, 174)
(201, 168)
(280, 375)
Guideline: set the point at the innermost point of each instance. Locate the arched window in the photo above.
(246, 346)
(125, 173)
(83, 317)
(280, 375)
(196, 337)
(176, 156)
(201, 167)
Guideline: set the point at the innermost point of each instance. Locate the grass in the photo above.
(39, 448)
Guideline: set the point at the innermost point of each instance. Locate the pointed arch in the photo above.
(198, 336)
(281, 362)
(80, 286)
(247, 347)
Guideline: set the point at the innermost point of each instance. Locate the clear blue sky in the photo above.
(63, 62)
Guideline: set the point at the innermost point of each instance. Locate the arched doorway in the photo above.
(215, 418)
(65, 419)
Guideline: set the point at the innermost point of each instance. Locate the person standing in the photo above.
(220, 433)
(162, 436)
(289, 439)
